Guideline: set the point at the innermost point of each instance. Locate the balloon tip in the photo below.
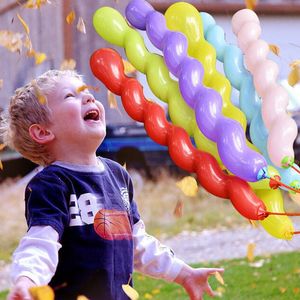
(262, 174)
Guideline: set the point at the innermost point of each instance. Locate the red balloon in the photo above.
(107, 66)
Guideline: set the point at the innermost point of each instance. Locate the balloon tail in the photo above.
(283, 214)
(275, 183)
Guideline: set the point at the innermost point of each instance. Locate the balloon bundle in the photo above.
(199, 104)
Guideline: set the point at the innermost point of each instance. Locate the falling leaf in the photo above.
(1, 83)
(11, 40)
(275, 49)
(36, 4)
(282, 290)
(28, 44)
(2, 146)
(257, 264)
(81, 297)
(148, 296)
(43, 292)
(128, 67)
(251, 4)
(68, 64)
(155, 291)
(296, 290)
(39, 57)
(220, 291)
(81, 26)
(112, 100)
(188, 185)
(1, 165)
(70, 17)
(178, 211)
(130, 291)
(219, 277)
(41, 98)
(81, 88)
(26, 28)
(250, 251)
(294, 75)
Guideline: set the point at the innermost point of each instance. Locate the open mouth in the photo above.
(92, 115)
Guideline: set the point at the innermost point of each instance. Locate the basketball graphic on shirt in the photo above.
(112, 225)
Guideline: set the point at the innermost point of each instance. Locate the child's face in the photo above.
(77, 118)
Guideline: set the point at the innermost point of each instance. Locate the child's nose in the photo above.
(88, 99)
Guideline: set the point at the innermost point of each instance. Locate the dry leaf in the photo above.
(1, 165)
(11, 40)
(70, 17)
(250, 251)
(219, 277)
(41, 98)
(81, 297)
(188, 185)
(294, 75)
(148, 296)
(1, 83)
(275, 49)
(282, 290)
(128, 67)
(68, 64)
(251, 4)
(130, 291)
(220, 291)
(112, 100)
(296, 290)
(43, 292)
(81, 26)
(36, 4)
(178, 211)
(25, 26)
(39, 57)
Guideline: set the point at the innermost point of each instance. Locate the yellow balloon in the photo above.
(185, 18)
(280, 227)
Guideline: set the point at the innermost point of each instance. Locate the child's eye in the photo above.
(69, 95)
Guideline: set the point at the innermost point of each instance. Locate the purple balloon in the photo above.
(207, 103)
(137, 12)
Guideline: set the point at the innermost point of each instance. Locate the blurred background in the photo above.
(37, 35)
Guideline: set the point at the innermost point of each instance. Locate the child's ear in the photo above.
(40, 134)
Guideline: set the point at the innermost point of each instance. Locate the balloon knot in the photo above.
(275, 182)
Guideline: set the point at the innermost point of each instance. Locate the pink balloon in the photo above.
(256, 52)
(248, 33)
(275, 103)
(241, 17)
(264, 76)
(281, 136)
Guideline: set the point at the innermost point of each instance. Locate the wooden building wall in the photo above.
(50, 34)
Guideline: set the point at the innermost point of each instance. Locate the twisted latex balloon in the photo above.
(207, 103)
(107, 66)
(282, 128)
(112, 27)
(242, 80)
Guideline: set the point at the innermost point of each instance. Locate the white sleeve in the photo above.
(36, 256)
(151, 257)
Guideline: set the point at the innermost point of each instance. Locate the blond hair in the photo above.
(29, 106)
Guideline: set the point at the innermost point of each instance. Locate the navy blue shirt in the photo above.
(93, 213)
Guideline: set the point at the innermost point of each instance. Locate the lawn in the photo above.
(274, 277)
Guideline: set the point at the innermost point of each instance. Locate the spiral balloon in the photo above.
(112, 27)
(207, 103)
(282, 128)
(242, 80)
(107, 66)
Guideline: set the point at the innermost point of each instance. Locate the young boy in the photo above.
(84, 230)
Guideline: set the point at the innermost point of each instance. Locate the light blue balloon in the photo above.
(242, 80)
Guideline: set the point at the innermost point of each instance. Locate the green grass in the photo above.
(277, 278)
